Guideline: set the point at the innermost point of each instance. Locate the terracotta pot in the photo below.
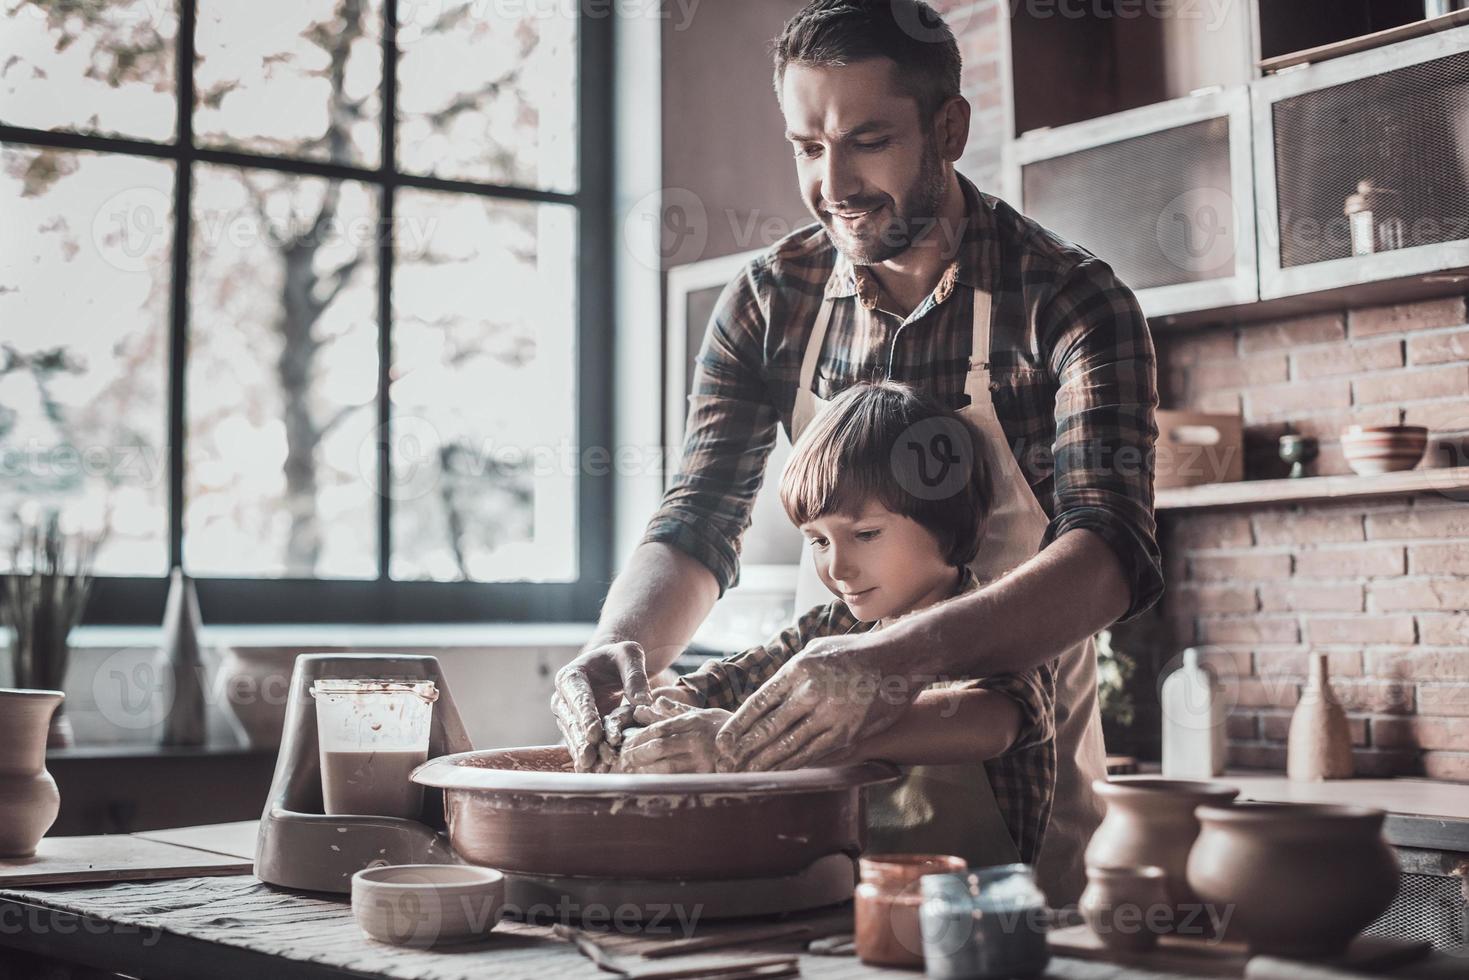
(887, 900)
(1126, 907)
(1151, 821)
(29, 800)
(1299, 879)
(525, 811)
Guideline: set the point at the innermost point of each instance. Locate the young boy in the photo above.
(885, 549)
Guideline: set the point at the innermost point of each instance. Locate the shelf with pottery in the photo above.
(1246, 493)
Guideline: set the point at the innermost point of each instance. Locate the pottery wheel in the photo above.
(826, 881)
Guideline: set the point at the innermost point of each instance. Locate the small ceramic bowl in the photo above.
(1383, 449)
(427, 904)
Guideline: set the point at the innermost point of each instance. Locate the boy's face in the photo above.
(879, 563)
(868, 170)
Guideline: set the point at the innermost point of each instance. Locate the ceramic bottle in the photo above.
(29, 800)
(1193, 721)
(1320, 745)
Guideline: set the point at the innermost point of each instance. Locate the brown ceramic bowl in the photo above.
(524, 810)
(1301, 879)
(1371, 450)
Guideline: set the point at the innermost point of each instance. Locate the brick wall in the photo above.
(981, 36)
(1380, 586)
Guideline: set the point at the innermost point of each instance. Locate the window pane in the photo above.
(282, 376)
(105, 67)
(487, 91)
(83, 391)
(290, 78)
(483, 396)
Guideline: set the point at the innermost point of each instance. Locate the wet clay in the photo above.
(375, 783)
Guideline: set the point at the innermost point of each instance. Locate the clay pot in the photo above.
(1124, 906)
(887, 900)
(1151, 821)
(1301, 879)
(29, 800)
(524, 811)
(256, 684)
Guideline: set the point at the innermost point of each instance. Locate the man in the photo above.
(910, 274)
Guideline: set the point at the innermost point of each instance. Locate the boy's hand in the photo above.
(821, 703)
(678, 738)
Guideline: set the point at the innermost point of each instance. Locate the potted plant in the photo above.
(45, 591)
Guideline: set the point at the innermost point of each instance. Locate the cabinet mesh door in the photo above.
(1406, 131)
(1158, 208)
(1429, 908)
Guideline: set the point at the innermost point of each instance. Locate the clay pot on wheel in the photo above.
(1302, 879)
(29, 800)
(1151, 821)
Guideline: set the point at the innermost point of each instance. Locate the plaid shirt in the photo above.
(1023, 778)
(1073, 380)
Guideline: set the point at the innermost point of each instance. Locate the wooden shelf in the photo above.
(1263, 492)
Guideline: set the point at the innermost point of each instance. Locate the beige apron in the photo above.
(951, 809)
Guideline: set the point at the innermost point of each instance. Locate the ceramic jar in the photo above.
(256, 683)
(888, 900)
(29, 800)
(1301, 879)
(1122, 905)
(1151, 821)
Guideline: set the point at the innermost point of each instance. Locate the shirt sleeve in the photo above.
(729, 682)
(1034, 691)
(730, 430)
(1101, 352)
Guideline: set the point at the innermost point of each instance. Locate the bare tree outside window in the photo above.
(282, 395)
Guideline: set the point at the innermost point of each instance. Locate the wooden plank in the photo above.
(113, 857)
(1376, 39)
(235, 839)
(1447, 480)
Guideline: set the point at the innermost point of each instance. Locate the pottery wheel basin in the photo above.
(525, 810)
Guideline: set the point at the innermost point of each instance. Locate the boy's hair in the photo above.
(825, 33)
(874, 443)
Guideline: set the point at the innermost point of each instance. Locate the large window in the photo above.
(308, 297)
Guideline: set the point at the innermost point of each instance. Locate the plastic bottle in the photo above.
(1193, 721)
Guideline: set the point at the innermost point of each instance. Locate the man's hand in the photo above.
(825, 700)
(679, 738)
(589, 691)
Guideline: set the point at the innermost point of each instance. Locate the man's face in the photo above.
(868, 171)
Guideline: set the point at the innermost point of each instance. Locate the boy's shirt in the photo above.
(1023, 779)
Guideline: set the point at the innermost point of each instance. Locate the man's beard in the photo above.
(910, 217)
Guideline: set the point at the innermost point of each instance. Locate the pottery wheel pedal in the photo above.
(299, 846)
(828, 880)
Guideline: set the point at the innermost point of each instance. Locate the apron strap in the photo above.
(814, 344)
(979, 350)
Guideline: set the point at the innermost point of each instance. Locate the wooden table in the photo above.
(234, 926)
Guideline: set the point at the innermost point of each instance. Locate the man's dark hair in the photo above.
(827, 33)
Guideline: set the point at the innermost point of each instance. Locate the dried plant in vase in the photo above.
(45, 592)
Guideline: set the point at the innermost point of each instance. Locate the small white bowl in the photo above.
(427, 904)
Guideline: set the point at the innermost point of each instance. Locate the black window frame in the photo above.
(140, 600)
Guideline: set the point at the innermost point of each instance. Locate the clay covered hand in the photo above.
(596, 695)
(678, 738)
(821, 704)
